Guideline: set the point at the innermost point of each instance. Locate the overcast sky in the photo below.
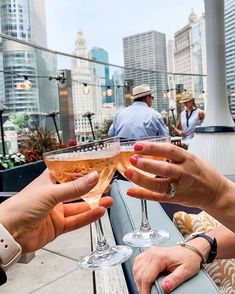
(105, 22)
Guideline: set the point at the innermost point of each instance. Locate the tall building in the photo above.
(230, 49)
(25, 20)
(102, 71)
(190, 55)
(83, 72)
(147, 52)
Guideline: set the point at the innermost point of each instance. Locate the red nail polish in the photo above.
(168, 286)
(134, 159)
(138, 147)
(128, 173)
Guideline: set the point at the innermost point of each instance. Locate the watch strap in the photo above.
(212, 241)
(10, 250)
(3, 277)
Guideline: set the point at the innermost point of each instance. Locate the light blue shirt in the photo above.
(138, 121)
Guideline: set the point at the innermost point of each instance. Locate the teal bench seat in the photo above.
(125, 217)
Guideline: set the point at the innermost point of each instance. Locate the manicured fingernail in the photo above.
(92, 177)
(167, 286)
(128, 173)
(134, 159)
(138, 147)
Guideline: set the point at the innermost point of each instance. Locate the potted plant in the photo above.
(37, 142)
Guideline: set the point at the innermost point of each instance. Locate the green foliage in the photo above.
(20, 120)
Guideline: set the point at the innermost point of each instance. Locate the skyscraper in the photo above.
(190, 55)
(83, 102)
(230, 49)
(145, 55)
(102, 71)
(87, 73)
(25, 20)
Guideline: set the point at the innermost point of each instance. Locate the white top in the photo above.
(189, 124)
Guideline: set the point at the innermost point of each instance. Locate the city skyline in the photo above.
(106, 25)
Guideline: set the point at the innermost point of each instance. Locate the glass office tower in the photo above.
(102, 71)
(230, 50)
(25, 20)
(147, 51)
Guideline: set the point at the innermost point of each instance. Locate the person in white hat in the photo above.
(139, 120)
(189, 119)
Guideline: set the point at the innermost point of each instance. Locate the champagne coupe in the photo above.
(145, 236)
(73, 162)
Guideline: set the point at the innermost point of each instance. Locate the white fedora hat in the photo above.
(186, 96)
(141, 91)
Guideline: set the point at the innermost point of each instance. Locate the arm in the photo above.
(181, 262)
(111, 132)
(178, 128)
(161, 128)
(197, 183)
(37, 215)
(201, 115)
(112, 129)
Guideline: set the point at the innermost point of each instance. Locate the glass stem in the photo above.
(145, 226)
(102, 244)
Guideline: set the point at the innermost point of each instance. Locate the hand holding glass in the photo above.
(70, 163)
(145, 236)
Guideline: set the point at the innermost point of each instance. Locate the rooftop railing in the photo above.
(76, 97)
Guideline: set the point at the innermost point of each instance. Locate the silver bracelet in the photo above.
(194, 249)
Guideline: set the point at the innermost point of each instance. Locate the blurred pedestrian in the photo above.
(189, 119)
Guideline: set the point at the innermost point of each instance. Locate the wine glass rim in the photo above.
(117, 139)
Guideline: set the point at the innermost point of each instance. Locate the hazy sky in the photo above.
(105, 22)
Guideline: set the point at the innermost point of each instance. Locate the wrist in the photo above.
(204, 244)
(7, 221)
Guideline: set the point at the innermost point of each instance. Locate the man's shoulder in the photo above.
(155, 112)
(124, 110)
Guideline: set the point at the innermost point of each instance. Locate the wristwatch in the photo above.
(10, 252)
(212, 241)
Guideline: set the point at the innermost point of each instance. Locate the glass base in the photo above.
(97, 260)
(145, 239)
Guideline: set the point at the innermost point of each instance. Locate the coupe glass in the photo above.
(145, 236)
(70, 163)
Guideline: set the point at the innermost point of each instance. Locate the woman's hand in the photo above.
(37, 215)
(181, 262)
(197, 184)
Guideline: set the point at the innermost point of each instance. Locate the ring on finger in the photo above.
(171, 189)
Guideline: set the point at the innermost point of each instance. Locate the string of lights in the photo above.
(107, 92)
(168, 93)
(27, 83)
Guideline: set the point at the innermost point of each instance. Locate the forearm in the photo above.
(223, 208)
(225, 241)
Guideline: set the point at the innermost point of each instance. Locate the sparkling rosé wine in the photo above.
(124, 162)
(69, 168)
